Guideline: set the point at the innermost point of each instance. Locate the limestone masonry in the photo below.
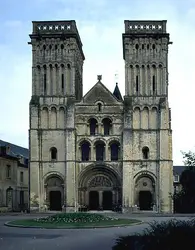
(99, 150)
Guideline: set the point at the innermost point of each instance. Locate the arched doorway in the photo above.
(54, 188)
(145, 200)
(93, 200)
(145, 192)
(55, 200)
(99, 188)
(107, 200)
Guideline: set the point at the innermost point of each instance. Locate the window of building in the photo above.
(21, 177)
(93, 125)
(176, 178)
(100, 151)
(21, 197)
(145, 153)
(8, 172)
(107, 124)
(9, 197)
(53, 153)
(114, 151)
(153, 84)
(99, 107)
(137, 84)
(62, 82)
(45, 83)
(85, 151)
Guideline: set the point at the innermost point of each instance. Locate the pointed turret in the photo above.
(117, 93)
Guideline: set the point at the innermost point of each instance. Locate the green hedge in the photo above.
(168, 235)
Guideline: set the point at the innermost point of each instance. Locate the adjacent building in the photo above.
(13, 177)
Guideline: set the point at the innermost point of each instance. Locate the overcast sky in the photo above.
(100, 24)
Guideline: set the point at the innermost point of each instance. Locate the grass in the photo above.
(73, 220)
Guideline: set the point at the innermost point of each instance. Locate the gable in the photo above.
(100, 92)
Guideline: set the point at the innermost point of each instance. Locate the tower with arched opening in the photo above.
(100, 151)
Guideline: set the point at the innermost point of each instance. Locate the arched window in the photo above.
(85, 151)
(93, 126)
(100, 151)
(53, 152)
(45, 79)
(99, 107)
(145, 153)
(153, 84)
(107, 124)
(114, 151)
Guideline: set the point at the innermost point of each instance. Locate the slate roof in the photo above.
(177, 170)
(117, 93)
(100, 92)
(15, 150)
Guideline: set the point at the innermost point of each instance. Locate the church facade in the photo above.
(99, 150)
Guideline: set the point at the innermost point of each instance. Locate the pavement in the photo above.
(12, 238)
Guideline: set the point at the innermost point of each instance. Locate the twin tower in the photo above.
(99, 150)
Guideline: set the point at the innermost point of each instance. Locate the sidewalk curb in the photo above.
(81, 228)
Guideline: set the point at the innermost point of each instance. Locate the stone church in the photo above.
(100, 150)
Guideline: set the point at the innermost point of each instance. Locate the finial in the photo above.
(99, 77)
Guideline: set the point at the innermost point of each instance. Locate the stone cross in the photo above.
(99, 77)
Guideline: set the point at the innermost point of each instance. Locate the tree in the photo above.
(189, 160)
(185, 200)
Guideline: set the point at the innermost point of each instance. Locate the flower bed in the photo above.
(73, 220)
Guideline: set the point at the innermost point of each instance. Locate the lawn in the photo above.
(74, 220)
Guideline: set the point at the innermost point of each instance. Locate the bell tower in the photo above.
(57, 59)
(57, 72)
(145, 51)
(147, 123)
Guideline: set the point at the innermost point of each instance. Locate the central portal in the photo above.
(55, 200)
(107, 200)
(99, 189)
(145, 200)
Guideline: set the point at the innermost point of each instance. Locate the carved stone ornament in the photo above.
(100, 181)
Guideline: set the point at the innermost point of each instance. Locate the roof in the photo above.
(117, 93)
(100, 92)
(15, 150)
(177, 170)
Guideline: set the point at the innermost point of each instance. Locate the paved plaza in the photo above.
(12, 238)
